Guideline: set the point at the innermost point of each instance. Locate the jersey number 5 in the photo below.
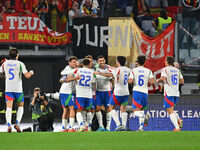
(11, 73)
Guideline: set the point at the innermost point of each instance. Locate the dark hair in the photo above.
(100, 56)
(89, 56)
(170, 60)
(163, 14)
(86, 62)
(72, 58)
(141, 59)
(121, 60)
(13, 53)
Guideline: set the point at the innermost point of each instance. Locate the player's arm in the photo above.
(181, 81)
(68, 78)
(28, 74)
(67, 72)
(161, 79)
(106, 74)
(151, 81)
(163, 76)
(25, 72)
(1, 72)
(103, 74)
(130, 78)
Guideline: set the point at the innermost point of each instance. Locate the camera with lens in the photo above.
(40, 94)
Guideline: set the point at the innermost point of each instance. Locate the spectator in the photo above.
(144, 21)
(63, 7)
(89, 10)
(41, 9)
(2, 9)
(54, 13)
(73, 13)
(48, 15)
(174, 3)
(102, 4)
(157, 3)
(139, 7)
(190, 16)
(8, 8)
(70, 2)
(24, 6)
(162, 22)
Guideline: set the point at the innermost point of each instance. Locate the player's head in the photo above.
(136, 64)
(86, 62)
(101, 60)
(121, 61)
(72, 61)
(13, 53)
(176, 65)
(169, 61)
(91, 60)
(77, 64)
(141, 60)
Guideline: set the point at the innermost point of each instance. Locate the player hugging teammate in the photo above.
(87, 88)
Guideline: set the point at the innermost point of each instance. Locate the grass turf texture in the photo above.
(160, 140)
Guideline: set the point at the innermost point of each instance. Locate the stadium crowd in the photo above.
(55, 12)
(58, 14)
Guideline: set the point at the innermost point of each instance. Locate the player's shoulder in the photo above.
(175, 70)
(20, 62)
(147, 69)
(126, 68)
(68, 68)
(164, 69)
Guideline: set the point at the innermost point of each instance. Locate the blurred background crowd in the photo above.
(58, 14)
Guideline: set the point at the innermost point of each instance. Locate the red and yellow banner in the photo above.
(29, 30)
(156, 49)
(128, 40)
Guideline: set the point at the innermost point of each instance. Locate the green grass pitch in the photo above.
(150, 140)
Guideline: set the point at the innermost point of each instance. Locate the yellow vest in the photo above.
(163, 23)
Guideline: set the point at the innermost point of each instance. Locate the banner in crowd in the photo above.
(156, 50)
(27, 29)
(121, 36)
(90, 37)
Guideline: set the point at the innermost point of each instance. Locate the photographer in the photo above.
(42, 115)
